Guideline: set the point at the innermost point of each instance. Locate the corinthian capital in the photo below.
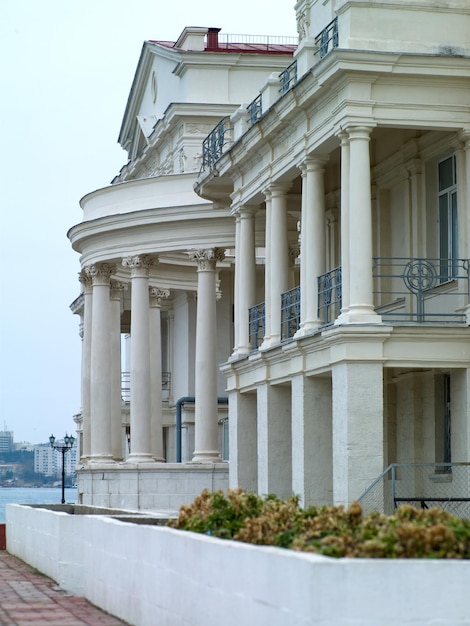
(139, 264)
(157, 294)
(207, 259)
(100, 273)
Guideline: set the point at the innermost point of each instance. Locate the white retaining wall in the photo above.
(150, 575)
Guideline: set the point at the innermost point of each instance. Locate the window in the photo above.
(448, 240)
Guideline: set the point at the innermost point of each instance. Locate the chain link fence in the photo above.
(424, 485)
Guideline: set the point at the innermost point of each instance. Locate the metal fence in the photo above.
(422, 290)
(423, 485)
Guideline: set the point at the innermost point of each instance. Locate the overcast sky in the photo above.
(66, 68)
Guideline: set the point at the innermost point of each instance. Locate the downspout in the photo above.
(179, 406)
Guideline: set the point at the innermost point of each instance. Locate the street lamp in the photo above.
(69, 440)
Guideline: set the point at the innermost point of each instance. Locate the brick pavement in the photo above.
(28, 598)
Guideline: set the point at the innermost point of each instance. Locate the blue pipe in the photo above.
(179, 406)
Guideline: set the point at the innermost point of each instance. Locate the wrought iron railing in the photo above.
(290, 313)
(268, 42)
(329, 295)
(421, 290)
(328, 35)
(126, 385)
(257, 324)
(255, 109)
(288, 77)
(215, 144)
(423, 485)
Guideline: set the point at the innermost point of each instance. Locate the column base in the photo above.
(100, 459)
(308, 328)
(359, 315)
(133, 459)
(210, 456)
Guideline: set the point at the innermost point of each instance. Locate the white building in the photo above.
(331, 237)
(48, 461)
(148, 246)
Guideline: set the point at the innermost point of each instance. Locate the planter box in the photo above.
(147, 575)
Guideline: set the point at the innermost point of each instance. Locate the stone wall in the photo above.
(149, 575)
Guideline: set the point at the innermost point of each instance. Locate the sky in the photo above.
(66, 68)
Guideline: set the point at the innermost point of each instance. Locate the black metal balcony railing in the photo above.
(257, 324)
(255, 109)
(421, 290)
(328, 35)
(329, 295)
(290, 313)
(126, 385)
(215, 144)
(288, 77)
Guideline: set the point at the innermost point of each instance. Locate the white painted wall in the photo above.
(149, 575)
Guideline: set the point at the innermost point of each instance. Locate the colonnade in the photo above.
(101, 361)
(356, 245)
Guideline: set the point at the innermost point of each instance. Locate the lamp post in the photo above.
(69, 440)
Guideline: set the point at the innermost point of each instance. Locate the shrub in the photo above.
(329, 530)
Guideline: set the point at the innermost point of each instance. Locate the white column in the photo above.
(345, 273)
(267, 268)
(140, 359)
(236, 283)
(115, 364)
(100, 370)
(246, 281)
(312, 243)
(243, 441)
(86, 281)
(312, 469)
(361, 304)
(358, 444)
(274, 440)
(460, 412)
(205, 418)
(463, 200)
(277, 259)
(156, 412)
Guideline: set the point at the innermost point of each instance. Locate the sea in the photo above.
(34, 495)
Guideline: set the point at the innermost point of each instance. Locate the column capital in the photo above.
(139, 264)
(278, 189)
(100, 273)
(246, 210)
(359, 131)
(313, 163)
(207, 258)
(464, 137)
(156, 295)
(85, 280)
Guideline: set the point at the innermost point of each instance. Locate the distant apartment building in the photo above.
(48, 461)
(6, 441)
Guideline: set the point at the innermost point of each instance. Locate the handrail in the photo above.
(329, 33)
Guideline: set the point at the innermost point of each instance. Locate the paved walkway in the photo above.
(28, 598)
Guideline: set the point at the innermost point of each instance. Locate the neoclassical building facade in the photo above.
(287, 253)
(351, 201)
(157, 280)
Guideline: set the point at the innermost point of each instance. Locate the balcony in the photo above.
(126, 387)
(215, 144)
(329, 35)
(421, 291)
(406, 291)
(288, 77)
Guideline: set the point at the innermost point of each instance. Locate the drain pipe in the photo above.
(179, 406)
